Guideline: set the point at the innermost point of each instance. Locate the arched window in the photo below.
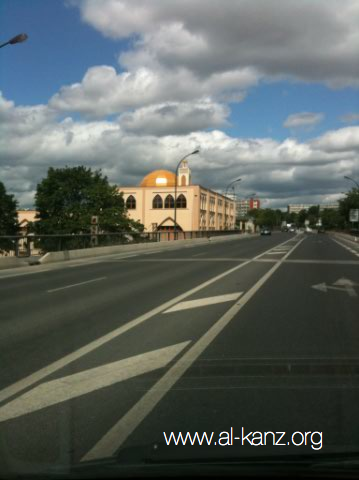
(157, 202)
(169, 202)
(181, 201)
(131, 203)
(183, 181)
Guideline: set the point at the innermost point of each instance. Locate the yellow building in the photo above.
(197, 208)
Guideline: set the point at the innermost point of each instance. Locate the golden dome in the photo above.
(159, 178)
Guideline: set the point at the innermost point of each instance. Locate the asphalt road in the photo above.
(99, 358)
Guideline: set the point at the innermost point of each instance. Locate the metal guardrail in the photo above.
(28, 245)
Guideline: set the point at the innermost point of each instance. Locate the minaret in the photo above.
(184, 175)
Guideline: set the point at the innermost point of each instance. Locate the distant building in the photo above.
(297, 207)
(331, 206)
(198, 208)
(25, 217)
(243, 206)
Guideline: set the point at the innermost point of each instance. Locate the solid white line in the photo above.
(119, 433)
(76, 284)
(277, 253)
(72, 386)
(202, 302)
(346, 247)
(71, 357)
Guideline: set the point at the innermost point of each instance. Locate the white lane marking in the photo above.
(277, 252)
(343, 285)
(118, 434)
(151, 253)
(346, 282)
(71, 357)
(346, 247)
(122, 256)
(199, 254)
(202, 302)
(72, 386)
(76, 284)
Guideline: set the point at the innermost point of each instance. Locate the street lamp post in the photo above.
(18, 39)
(352, 180)
(176, 183)
(225, 202)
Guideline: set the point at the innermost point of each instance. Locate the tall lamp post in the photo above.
(176, 183)
(225, 202)
(352, 180)
(18, 39)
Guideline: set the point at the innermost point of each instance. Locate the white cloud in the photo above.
(103, 91)
(175, 118)
(303, 119)
(343, 140)
(279, 171)
(307, 40)
(350, 118)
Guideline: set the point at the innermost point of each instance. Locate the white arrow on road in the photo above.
(343, 285)
(62, 389)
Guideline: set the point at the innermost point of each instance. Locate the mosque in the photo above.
(197, 208)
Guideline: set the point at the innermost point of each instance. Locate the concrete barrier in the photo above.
(137, 247)
(12, 262)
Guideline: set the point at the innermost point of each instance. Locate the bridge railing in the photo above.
(32, 245)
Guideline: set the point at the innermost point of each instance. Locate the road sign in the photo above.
(354, 215)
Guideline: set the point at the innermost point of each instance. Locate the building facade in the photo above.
(243, 206)
(297, 207)
(197, 208)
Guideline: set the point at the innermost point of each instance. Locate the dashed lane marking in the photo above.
(76, 284)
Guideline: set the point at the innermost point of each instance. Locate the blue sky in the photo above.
(162, 93)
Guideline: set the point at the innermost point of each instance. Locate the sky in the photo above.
(268, 90)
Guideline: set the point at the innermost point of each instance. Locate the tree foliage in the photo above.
(351, 201)
(67, 198)
(8, 217)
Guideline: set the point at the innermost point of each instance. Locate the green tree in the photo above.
(67, 198)
(8, 217)
(332, 219)
(350, 201)
(302, 217)
(291, 217)
(313, 215)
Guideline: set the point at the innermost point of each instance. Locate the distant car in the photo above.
(266, 231)
(293, 229)
(285, 229)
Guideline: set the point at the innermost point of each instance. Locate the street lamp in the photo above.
(225, 202)
(18, 39)
(175, 209)
(352, 180)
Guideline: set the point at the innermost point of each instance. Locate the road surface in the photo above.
(100, 357)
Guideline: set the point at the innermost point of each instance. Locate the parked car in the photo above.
(266, 231)
(321, 230)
